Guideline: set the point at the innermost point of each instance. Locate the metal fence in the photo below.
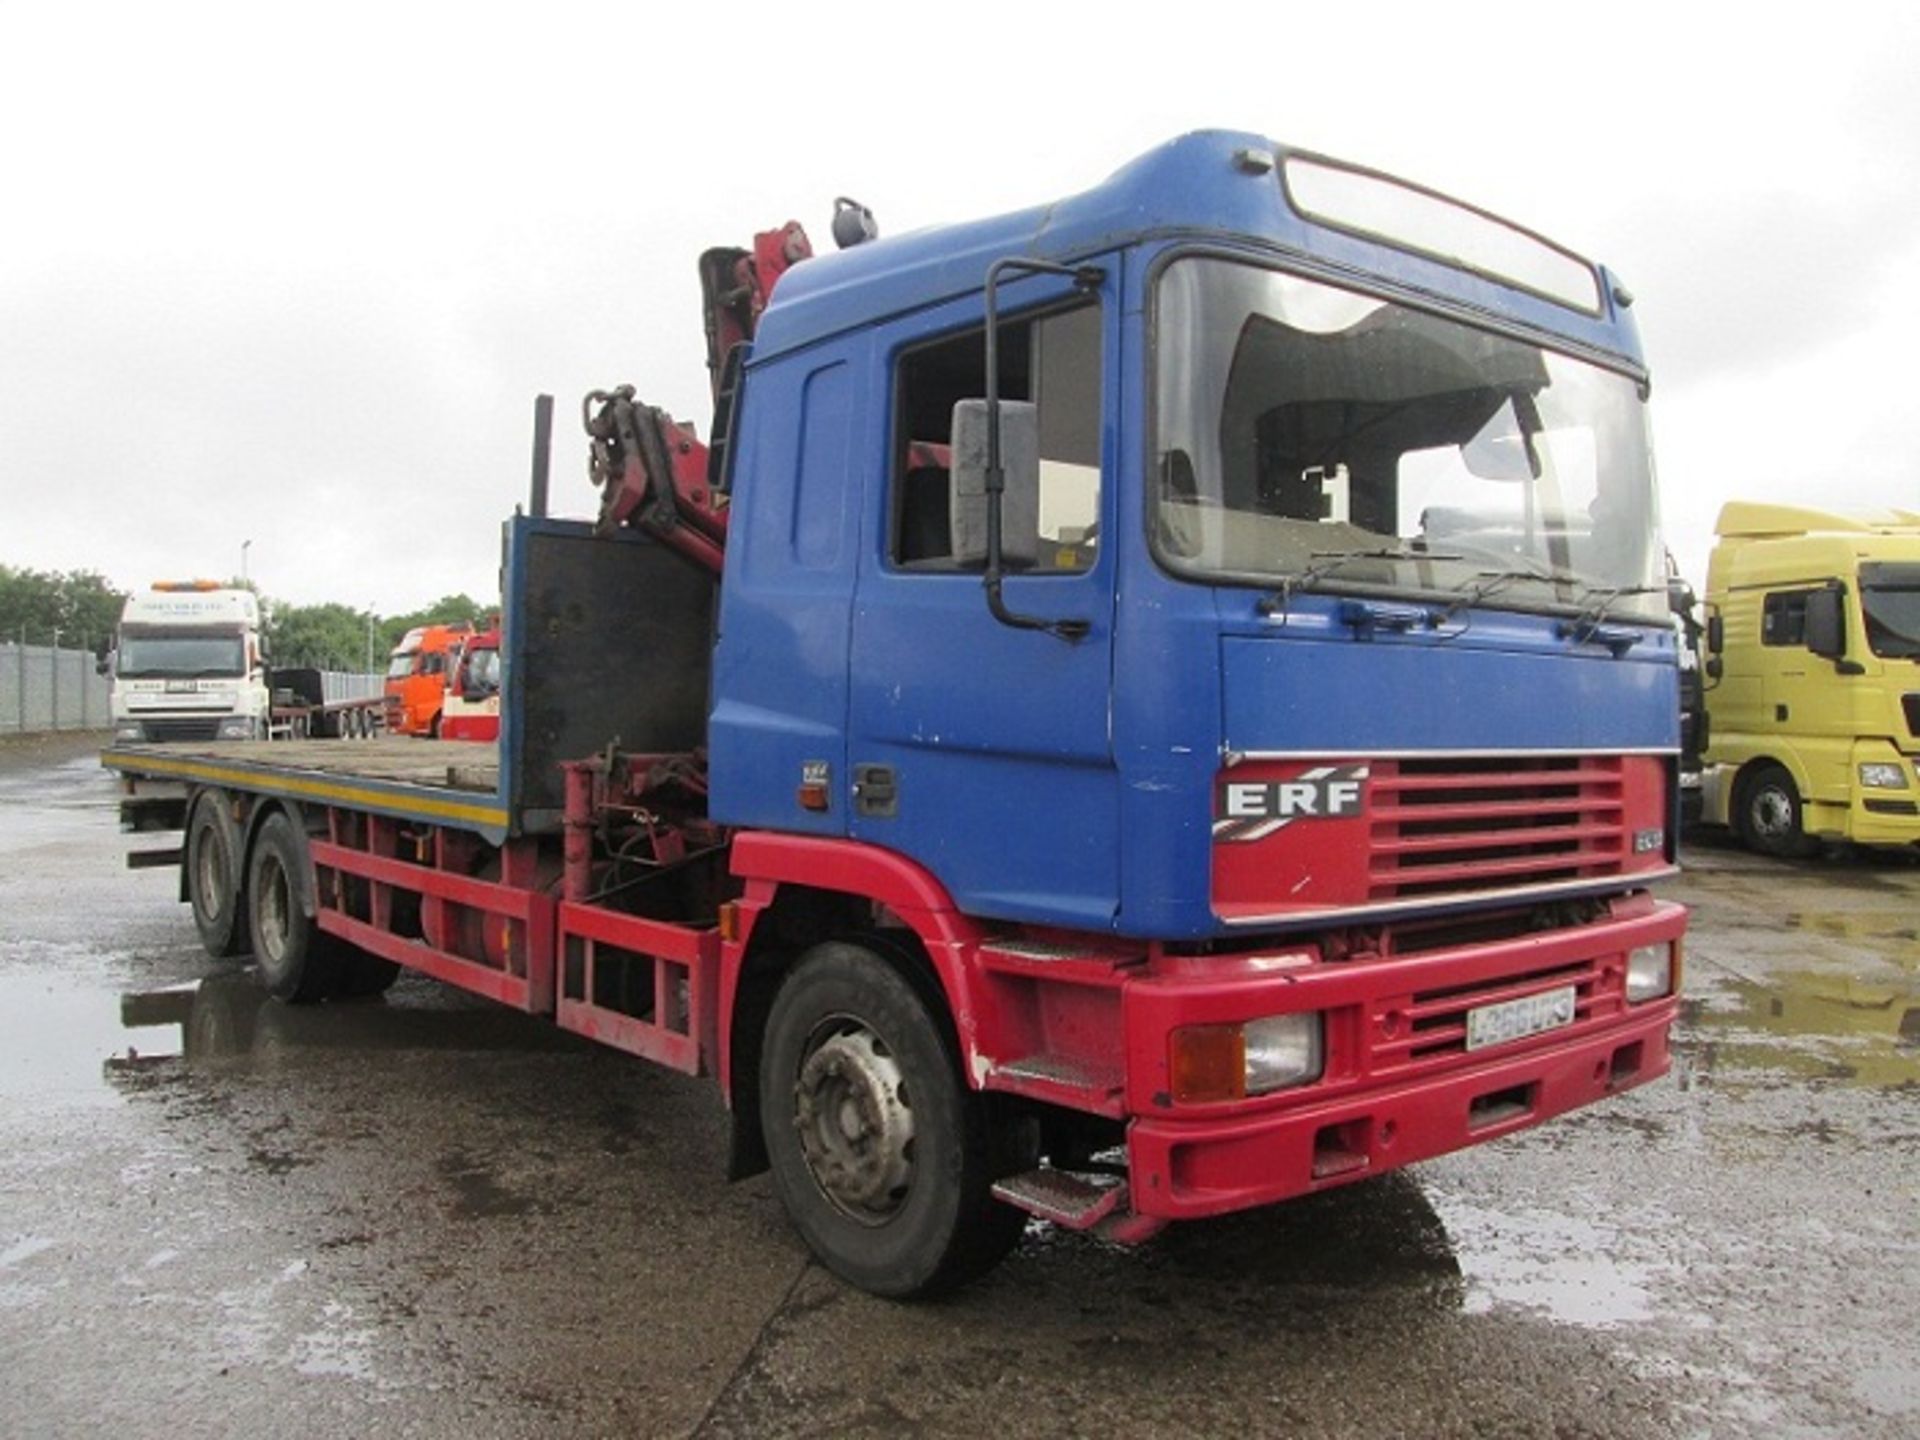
(43, 688)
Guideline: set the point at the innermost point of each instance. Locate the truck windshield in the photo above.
(1890, 600)
(1318, 437)
(157, 653)
(400, 666)
(483, 669)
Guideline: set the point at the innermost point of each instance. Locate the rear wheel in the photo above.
(299, 963)
(881, 1155)
(361, 976)
(214, 886)
(1772, 819)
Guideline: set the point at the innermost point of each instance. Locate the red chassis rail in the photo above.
(1074, 1021)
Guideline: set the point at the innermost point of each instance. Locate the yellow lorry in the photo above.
(1813, 677)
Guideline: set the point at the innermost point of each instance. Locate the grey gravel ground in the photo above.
(428, 1216)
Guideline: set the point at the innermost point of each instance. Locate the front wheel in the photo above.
(881, 1155)
(1772, 819)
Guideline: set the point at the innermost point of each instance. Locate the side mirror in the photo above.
(1826, 624)
(1715, 667)
(1716, 634)
(1020, 498)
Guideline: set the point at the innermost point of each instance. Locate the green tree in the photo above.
(328, 637)
(447, 610)
(80, 604)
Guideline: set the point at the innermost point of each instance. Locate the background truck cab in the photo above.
(471, 710)
(188, 665)
(418, 673)
(1813, 677)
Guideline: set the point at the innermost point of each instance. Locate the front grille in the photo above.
(1434, 1025)
(1911, 704)
(1460, 826)
(1893, 807)
(187, 727)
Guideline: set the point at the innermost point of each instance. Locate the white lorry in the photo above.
(190, 666)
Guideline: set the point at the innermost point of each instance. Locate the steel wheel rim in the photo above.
(210, 873)
(855, 1122)
(275, 903)
(1771, 813)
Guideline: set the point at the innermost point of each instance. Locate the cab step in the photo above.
(1067, 1198)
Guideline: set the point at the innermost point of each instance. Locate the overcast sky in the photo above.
(293, 275)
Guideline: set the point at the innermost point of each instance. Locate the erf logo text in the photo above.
(1252, 809)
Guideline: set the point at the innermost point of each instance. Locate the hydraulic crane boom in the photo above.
(652, 471)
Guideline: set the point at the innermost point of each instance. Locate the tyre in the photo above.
(298, 962)
(213, 875)
(362, 976)
(880, 1154)
(1772, 821)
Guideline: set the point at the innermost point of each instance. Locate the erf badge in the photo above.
(1254, 809)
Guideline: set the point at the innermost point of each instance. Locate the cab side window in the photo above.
(1053, 361)
(1783, 618)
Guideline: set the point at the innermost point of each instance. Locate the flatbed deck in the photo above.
(448, 782)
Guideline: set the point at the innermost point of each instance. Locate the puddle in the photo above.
(63, 1043)
(1899, 926)
(77, 783)
(1568, 1269)
(1816, 1024)
(54, 1036)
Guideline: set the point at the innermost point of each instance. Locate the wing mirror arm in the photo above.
(1085, 277)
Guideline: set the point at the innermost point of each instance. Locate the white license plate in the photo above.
(1517, 1019)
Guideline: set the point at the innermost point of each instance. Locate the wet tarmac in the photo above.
(429, 1216)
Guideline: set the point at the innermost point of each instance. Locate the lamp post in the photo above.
(369, 640)
(245, 545)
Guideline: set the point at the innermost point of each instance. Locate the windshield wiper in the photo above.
(1278, 601)
(1590, 624)
(1491, 582)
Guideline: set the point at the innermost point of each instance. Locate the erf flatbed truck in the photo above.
(1146, 707)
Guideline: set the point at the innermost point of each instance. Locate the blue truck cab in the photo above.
(1345, 492)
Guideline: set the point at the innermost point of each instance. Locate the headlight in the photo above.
(1282, 1050)
(236, 727)
(1230, 1062)
(1879, 775)
(1649, 973)
(128, 730)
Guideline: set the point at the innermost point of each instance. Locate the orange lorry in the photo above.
(418, 673)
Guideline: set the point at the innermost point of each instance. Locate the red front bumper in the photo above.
(1184, 1171)
(1388, 1098)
